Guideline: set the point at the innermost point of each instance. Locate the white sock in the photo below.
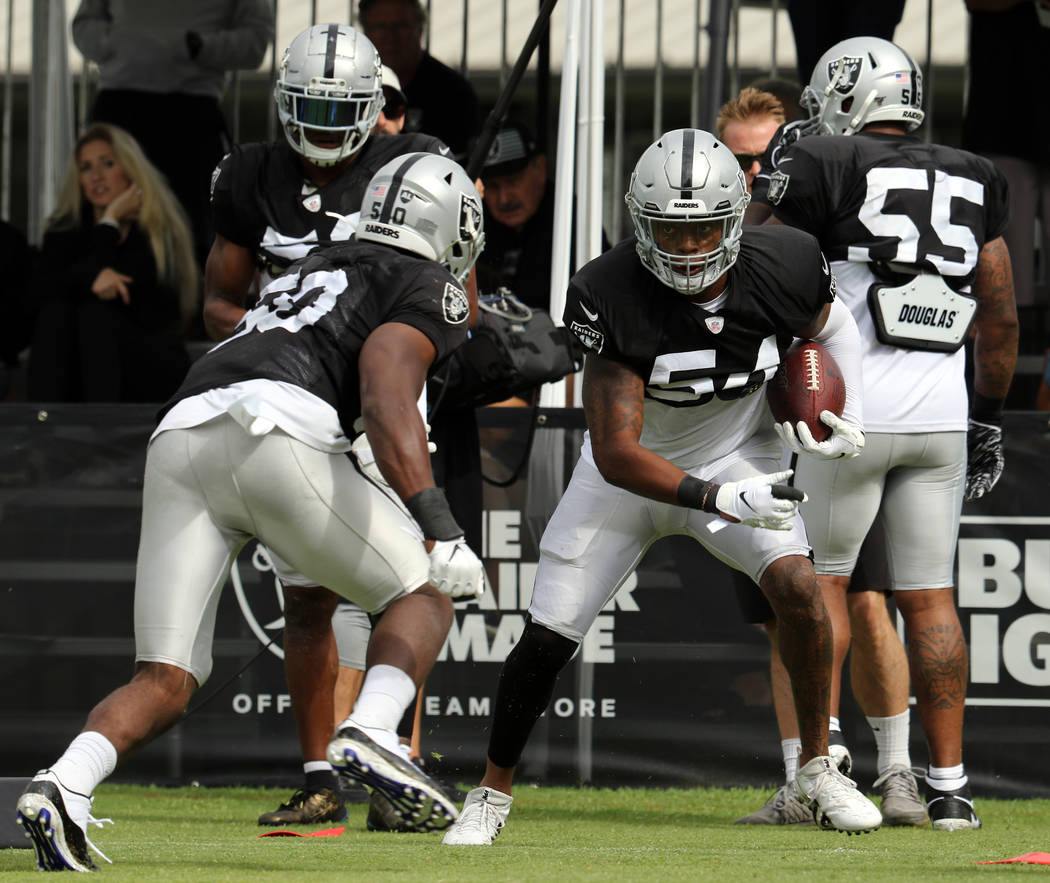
(385, 694)
(791, 749)
(833, 725)
(946, 778)
(891, 740)
(88, 760)
(317, 766)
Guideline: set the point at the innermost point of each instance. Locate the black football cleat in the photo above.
(416, 799)
(60, 843)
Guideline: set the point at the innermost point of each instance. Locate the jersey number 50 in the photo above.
(291, 302)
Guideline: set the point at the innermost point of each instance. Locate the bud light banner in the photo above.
(669, 688)
(1003, 582)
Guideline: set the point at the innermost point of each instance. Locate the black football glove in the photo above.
(984, 459)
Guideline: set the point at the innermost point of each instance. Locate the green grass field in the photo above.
(552, 834)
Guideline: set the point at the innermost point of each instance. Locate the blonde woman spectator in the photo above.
(163, 64)
(117, 280)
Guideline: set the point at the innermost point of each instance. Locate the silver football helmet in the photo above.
(329, 92)
(427, 204)
(688, 177)
(863, 80)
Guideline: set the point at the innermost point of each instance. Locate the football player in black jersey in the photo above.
(272, 203)
(914, 234)
(253, 444)
(683, 325)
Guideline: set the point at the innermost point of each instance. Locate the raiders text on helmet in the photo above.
(329, 92)
(863, 80)
(425, 203)
(687, 177)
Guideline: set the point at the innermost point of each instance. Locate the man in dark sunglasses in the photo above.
(392, 115)
(746, 124)
(441, 101)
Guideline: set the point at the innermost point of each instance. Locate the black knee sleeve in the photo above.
(526, 684)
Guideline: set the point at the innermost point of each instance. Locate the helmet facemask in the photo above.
(682, 268)
(329, 109)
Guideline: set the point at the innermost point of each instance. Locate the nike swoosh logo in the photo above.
(592, 316)
(743, 500)
(445, 151)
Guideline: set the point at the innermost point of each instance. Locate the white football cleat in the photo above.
(840, 754)
(482, 818)
(836, 802)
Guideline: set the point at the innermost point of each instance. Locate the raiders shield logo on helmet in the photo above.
(469, 216)
(843, 72)
(454, 304)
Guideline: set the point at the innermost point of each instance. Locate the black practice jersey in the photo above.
(262, 201)
(687, 353)
(893, 199)
(309, 326)
(785, 135)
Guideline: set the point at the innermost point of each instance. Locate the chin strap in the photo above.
(858, 119)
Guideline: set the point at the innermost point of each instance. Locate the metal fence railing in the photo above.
(703, 45)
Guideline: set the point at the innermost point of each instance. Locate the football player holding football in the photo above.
(683, 325)
(272, 203)
(254, 444)
(914, 234)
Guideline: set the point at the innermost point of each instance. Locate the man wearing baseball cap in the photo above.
(519, 218)
(392, 116)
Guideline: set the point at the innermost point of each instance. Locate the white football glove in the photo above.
(455, 570)
(846, 440)
(760, 501)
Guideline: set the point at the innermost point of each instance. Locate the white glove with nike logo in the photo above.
(455, 570)
(761, 501)
(846, 440)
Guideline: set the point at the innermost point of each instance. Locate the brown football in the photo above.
(807, 382)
